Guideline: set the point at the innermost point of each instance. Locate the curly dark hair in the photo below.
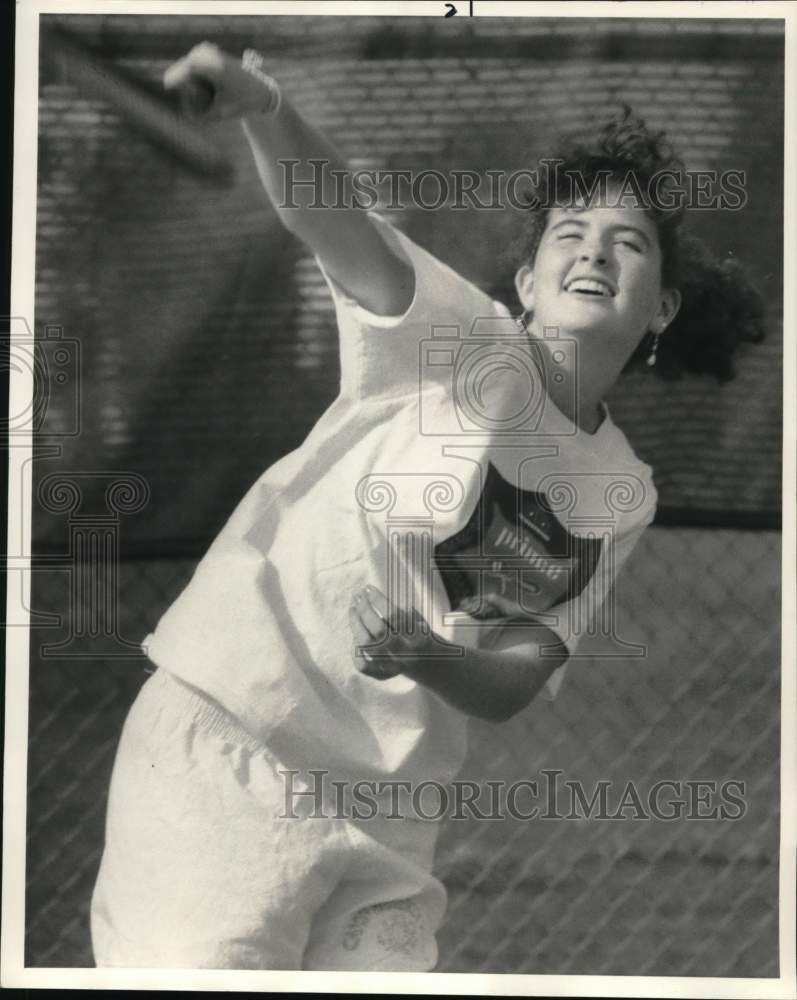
(720, 307)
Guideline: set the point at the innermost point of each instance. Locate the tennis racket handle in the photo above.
(196, 96)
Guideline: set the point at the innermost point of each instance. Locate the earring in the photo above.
(520, 322)
(651, 361)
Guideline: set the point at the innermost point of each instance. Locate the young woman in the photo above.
(435, 550)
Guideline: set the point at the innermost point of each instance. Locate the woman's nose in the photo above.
(595, 254)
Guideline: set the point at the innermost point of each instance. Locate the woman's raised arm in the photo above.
(344, 239)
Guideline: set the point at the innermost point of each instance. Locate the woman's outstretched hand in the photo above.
(216, 85)
(212, 85)
(395, 636)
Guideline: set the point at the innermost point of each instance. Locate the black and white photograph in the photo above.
(400, 567)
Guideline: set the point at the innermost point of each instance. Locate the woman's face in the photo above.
(597, 272)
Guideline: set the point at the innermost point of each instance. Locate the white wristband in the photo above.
(252, 61)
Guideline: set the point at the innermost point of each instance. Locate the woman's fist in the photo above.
(491, 606)
(216, 85)
(396, 636)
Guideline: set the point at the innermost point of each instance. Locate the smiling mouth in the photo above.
(590, 287)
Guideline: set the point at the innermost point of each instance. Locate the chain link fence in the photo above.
(621, 897)
(129, 267)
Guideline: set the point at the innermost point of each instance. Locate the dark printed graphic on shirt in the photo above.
(517, 547)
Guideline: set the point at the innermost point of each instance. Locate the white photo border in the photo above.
(13, 972)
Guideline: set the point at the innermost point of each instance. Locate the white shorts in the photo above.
(200, 871)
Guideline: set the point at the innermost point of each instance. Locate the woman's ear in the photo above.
(524, 283)
(669, 305)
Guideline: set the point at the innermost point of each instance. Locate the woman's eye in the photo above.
(630, 243)
(569, 236)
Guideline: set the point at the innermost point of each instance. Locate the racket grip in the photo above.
(196, 96)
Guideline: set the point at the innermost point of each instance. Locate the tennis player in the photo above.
(294, 680)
